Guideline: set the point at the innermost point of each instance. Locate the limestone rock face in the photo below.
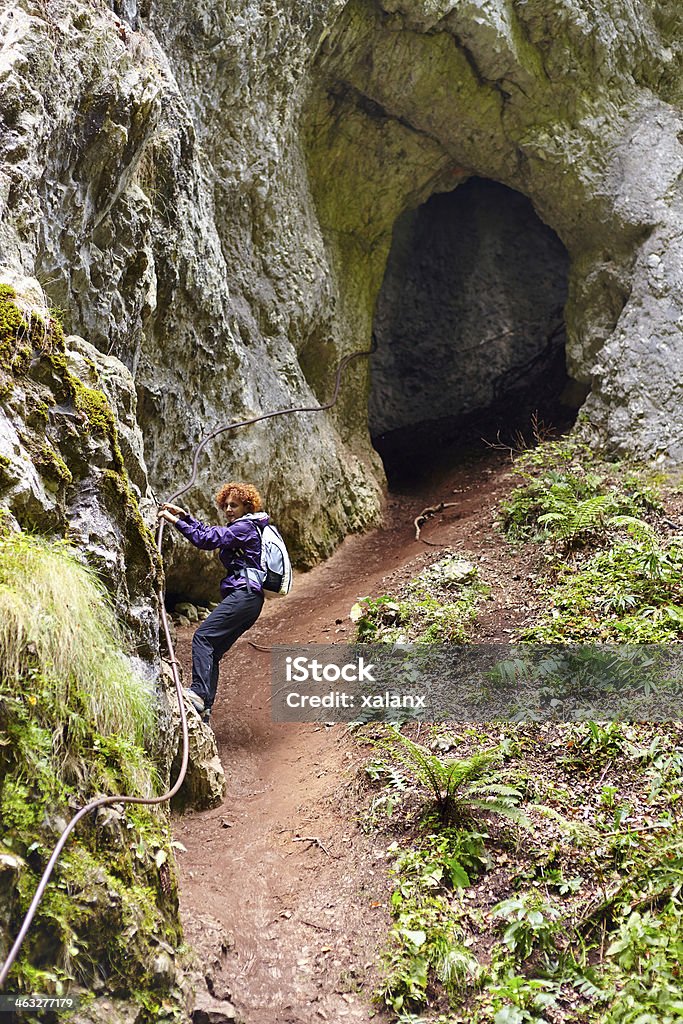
(581, 115)
(153, 181)
(210, 193)
(71, 453)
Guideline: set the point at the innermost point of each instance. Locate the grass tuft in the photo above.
(56, 621)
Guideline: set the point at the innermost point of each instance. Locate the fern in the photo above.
(574, 520)
(587, 985)
(638, 528)
(590, 514)
(458, 785)
(387, 773)
(579, 831)
(564, 499)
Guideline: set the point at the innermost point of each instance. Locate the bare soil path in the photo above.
(306, 919)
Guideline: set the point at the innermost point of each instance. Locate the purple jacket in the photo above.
(239, 547)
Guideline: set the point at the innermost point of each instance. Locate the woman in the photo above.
(239, 549)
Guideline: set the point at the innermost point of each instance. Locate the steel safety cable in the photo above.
(105, 801)
(271, 415)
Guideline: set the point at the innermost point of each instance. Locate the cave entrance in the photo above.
(470, 328)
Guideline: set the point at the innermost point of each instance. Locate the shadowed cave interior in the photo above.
(470, 329)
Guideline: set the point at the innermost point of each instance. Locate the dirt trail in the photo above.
(306, 919)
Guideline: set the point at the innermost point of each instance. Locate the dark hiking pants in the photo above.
(234, 615)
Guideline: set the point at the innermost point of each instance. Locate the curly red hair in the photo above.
(246, 493)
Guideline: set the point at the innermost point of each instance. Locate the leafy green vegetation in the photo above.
(56, 623)
(438, 605)
(632, 592)
(570, 496)
(459, 786)
(578, 919)
(618, 574)
(74, 716)
(426, 940)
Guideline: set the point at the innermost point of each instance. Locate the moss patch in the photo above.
(52, 465)
(113, 899)
(27, 339)
(5, 474)
(92, 404)
(21, 335)
(111, 907)
(14, 352)
(139, 536)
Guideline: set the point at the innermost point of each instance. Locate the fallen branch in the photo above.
(426, 514)
(314, 841)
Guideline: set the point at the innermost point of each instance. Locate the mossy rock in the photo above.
(73, 717)
(63, 470)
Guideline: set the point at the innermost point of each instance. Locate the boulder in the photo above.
(204, 785)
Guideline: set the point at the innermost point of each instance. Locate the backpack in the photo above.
(275, 561)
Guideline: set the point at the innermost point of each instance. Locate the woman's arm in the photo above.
(208, 538)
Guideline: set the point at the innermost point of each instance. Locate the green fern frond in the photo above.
(498, 789)
(419, 762)
(387, 773)
(456, 784)
(460, 771)
(582, 833)
(638, 528)
(589, 515)
(511, 812)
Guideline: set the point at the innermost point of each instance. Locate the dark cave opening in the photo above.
(470, 330)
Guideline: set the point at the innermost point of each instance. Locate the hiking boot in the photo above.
(195, 700)
(206, 716)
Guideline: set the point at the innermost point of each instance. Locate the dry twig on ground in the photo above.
(426, 514)
(314, 841)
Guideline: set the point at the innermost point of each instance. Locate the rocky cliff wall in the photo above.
(578, 110)
(209, 193)
(71, 455)
(153, 182)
